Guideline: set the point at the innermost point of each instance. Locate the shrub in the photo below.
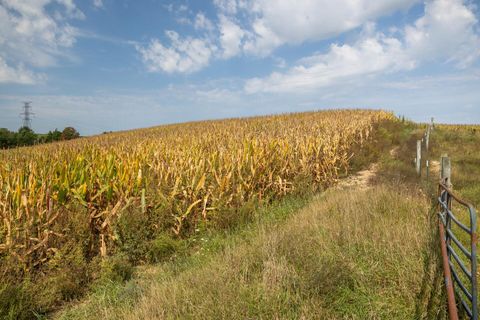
(162, 248)
(15, 302)
(116, 268)
(133, 231)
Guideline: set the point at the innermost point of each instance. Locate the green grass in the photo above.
(344, 255)
(202, 248)
(461, 144)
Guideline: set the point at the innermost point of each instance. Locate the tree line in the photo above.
(27, 137)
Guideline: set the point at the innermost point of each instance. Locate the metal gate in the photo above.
(459, 262)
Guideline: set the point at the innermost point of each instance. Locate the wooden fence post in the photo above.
(427, 138)
(427, 167)
(143, 202)
(419, 157)
(446, 171)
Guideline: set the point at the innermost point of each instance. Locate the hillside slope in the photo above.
(364, 250)
(78, 213)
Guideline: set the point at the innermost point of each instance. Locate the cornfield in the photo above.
(192, 171)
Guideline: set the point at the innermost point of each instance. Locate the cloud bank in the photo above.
(446, 33)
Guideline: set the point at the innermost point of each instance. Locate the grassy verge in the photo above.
(342, 256)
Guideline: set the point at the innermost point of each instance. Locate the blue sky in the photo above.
(102, 65)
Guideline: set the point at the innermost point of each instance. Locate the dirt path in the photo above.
(359, 180)
(362, 179)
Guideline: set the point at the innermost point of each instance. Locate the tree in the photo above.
(7, 138)
(70, 133)
(25, 137)
(54, 135)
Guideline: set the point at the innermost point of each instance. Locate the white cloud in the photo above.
(183, 56)
(30, 36)
(182, 7)
(280, 62)
(98, 3)
(70, 9)
(293, 22)
(202, 22)
(17, 75)
(340, 64)
(262, 40)
(257, 27)
(445, 33)
(230, 37)
(226, 6)
(181, 13)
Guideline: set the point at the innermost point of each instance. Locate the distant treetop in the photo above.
(27, 137)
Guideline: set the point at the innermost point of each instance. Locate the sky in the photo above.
(108, 65)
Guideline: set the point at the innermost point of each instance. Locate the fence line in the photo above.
(450, 239)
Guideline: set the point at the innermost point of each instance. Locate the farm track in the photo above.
(359, 180)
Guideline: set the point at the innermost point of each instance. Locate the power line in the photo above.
(27, 114)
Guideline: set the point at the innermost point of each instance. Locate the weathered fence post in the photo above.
(427, 138)
(427, 167)
(446, 171)
(143, 202)
(419, 157)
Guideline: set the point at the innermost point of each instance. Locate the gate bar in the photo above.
(452, 306)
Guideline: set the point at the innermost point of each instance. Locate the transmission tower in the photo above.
(27, 114)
